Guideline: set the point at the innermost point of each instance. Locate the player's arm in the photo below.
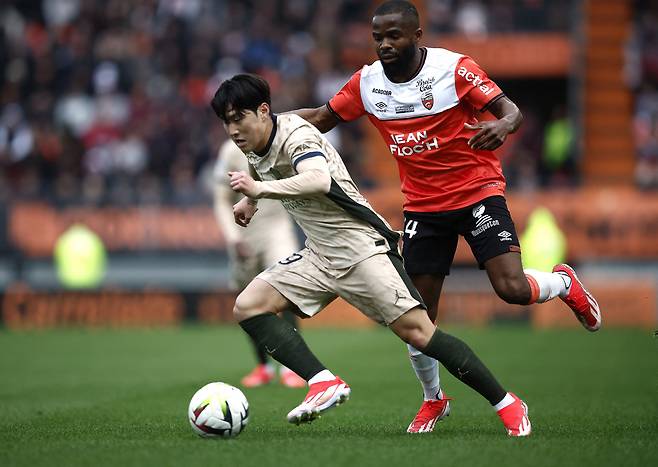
(493, 133)
(320, 117)
(345, 106)
(312, 178)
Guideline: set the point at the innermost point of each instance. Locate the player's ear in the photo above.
(264, 111)
(418, 34)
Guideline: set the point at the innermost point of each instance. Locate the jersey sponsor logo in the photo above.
(292, 204)
(406, 144)
(385, 92)
(428, 100)
(425, 84)
(381, 106)
(475, 80)
(403, 109)
(478, 211)
(505, 236)
(483, 222)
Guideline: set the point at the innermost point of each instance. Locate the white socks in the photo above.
(547, 285)
(324, 375)
(507, 400)
(427, 372)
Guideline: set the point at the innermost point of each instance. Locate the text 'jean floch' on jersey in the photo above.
(406, 144)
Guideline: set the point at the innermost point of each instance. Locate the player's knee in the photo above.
(513, 290)
(417, 338)
(247, 306)
(414, 328)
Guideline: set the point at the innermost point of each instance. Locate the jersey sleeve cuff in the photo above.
(494, 99)
(334, 113)
(306, 156)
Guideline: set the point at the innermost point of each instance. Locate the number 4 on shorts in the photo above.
(410, 228)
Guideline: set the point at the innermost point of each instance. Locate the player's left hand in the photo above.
(243, 211)
(245, 184)
(491, 134)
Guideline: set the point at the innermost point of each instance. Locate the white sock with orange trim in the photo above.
(544, 286)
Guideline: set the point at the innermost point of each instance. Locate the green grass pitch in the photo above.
(119, 397)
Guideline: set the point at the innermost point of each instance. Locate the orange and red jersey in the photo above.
(422, 122)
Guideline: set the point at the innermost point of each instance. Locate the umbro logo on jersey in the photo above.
(505, 236)
(385, 92)
(381, 106)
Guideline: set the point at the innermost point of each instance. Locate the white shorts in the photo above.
(378, 286)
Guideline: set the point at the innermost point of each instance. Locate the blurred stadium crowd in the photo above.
(105, 102)
(642, 68)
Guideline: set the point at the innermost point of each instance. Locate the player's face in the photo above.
(249, 129)
(395, 40)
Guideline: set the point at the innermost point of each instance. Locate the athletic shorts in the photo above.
(378, 286)
(430, 239)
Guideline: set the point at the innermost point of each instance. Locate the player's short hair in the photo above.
(241, 93)
(405, 8)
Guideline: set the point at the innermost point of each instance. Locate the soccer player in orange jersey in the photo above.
(425, 102)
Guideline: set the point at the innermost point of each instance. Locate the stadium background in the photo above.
(104, 121)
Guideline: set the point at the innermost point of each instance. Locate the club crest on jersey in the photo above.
(427, 99)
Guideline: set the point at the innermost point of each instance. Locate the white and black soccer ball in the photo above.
(218, 410)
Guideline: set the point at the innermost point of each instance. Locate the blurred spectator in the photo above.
(558, 166)
(642, 73)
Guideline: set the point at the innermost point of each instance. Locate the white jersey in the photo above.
(341, 227)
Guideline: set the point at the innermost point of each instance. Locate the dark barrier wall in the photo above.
(624, 303)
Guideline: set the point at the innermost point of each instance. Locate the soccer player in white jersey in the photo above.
(424, 102)
(270, 238)
(351, 252)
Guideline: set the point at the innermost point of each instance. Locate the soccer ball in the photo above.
(218, 410)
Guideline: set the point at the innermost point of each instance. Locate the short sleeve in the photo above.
(347, 104)
(473, 85)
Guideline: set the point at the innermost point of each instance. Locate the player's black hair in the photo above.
(240, 93)
(405, 8)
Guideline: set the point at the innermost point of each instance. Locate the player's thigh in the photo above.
(428, 246)
(429, 286)
(257, 298)
(489, 230)
(380, 288)
(280, 243)
(301, 282)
